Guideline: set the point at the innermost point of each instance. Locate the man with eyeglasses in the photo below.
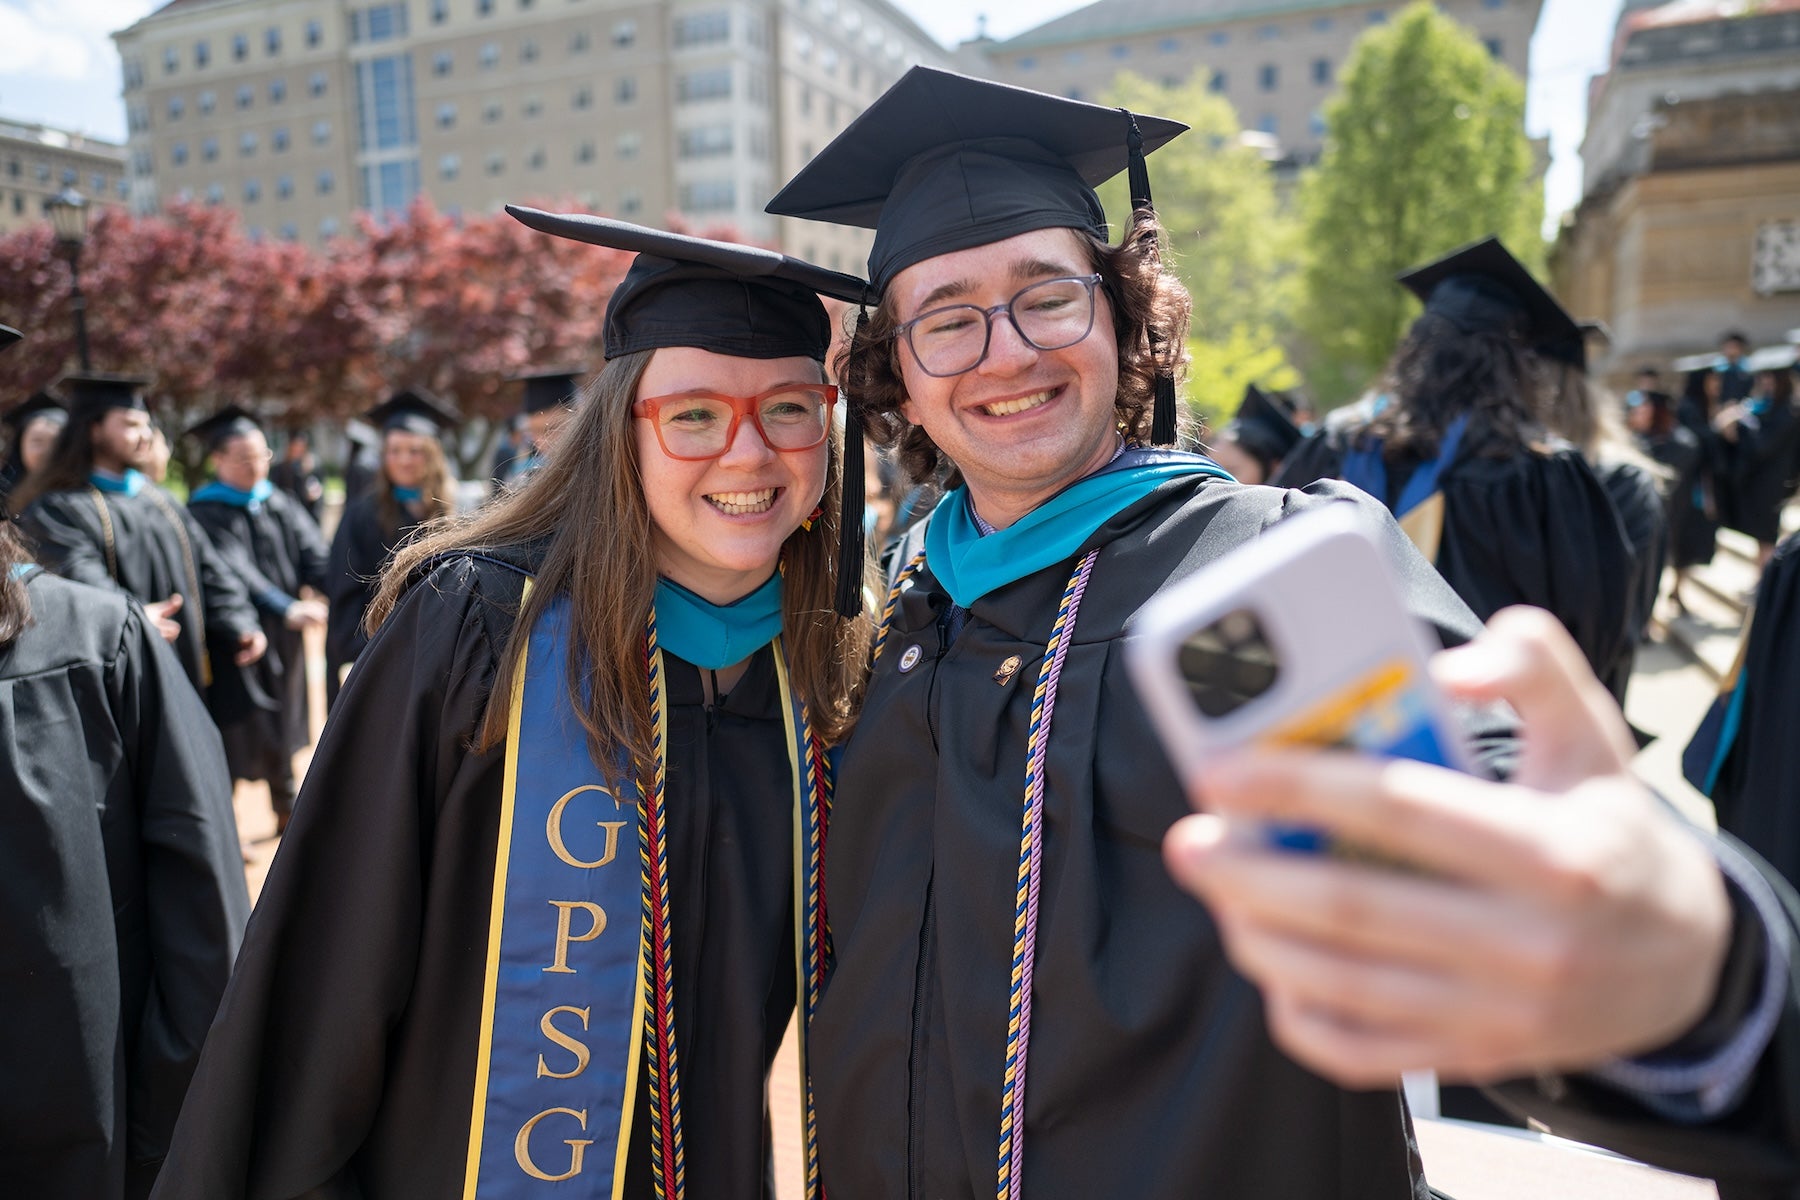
(266, 539)
(1024, 1002)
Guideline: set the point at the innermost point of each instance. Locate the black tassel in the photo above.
(1137, 173)
(850, 510)
(1162, 416)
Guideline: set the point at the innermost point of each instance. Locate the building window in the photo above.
(492, 111)
(1269, 78)
(495, 164)
(624, 34)
(706, 141)
(1218, 82)
(209, 149)
(630, 202)
(446, 116)
(18, 204)
(1268, 33)
(328, 227)
(440, 11)
(272, 40)
(206, 102)
(533, 106)
(326, 182)
(171, 61)
(1073, 58)
(252, 191)
(1495, 46)
(1321, 71)
(1493, 3)
(134, 75)
(1316, 124)
(247, 144)
(703, 28)
(315, 33)
(240, 47)
(449, 166)
(536, 160)
(528, 51)
(321, 132)
(628, 145)
(489, 56)
(385, 112)
(625, 91)
(381, 23)
(715, 195)
(1219, 37)
(524, 4)
(1121, 51)
(442, 63)
(584, 153)
(277, 91)
(42, 171)
(284, 186)
(1028, 63)
(178, 154)
(246, 96)
(579, 41)
(1270, 124)
(215, 193)
(584, 98)
(202, 54)
(1323, 24)
(1377, 16)
(290, 232)
(12, 168)
(177, 106)
(316, 83)
(484, 8)
(711, 84)
(278, 140)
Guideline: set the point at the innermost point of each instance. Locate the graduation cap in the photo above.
(414, 410)
(1482, 288)
(93, 395)
(40, 404)
(1574, 350)
(8, 335)
(545, 390)
(229, 422)
(731, 299)
(1263, 428)
(692, 291)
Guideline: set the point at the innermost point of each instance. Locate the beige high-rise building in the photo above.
(38, 162)
(299, 113)
(1276, 61)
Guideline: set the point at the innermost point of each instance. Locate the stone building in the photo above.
(1277, 62)
(1690, 220)
(298, 113)
(38, 162)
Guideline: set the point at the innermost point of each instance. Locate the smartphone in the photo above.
(1298, 638)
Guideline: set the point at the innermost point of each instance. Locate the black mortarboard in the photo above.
(92, 395)
(545, 390)
(37, 405)
(1262, 428)
(943, 162)
(8, 335)
(229, 422)
(1482, 288)
(731, 299)
(416, 411)
(690, 291)
(1574, 350)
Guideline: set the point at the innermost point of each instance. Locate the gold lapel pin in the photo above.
(1005, 673)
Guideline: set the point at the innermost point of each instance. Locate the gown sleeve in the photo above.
(194, 895)
(228, 608)
(64, 543)
(294, 1071)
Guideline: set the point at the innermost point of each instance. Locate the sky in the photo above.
(58, 65)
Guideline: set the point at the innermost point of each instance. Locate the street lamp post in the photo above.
(68, 213)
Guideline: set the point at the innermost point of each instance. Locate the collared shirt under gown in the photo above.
(343, 1062)
(122, 898)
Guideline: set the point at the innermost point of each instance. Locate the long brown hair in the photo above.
(1146, 299)
(438, 489)
(586, 509)
(15, 601)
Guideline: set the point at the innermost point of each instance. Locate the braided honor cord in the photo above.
(913, 566)
(667, 1159)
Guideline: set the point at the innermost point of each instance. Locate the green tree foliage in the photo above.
(1426, 151)
(1228, 240)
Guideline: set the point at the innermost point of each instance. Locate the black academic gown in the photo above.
(1759, 470)
(1151, 1074)
(301, 481)
(274, 550)
(1691, 530)
(343, 1061)
(122, 898)
(148, 545)
(1643, 514)
(1525, 528)
(359, 550)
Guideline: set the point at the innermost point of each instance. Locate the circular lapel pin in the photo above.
(910, 659)
(1007, 669)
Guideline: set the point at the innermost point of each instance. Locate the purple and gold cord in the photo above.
(913, 566)
(1031, 861)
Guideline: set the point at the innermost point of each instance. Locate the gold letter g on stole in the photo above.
(553, 829)
(577, 1146)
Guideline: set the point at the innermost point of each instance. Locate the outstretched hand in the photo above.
(1554, 922)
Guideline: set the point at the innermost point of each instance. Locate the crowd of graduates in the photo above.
(665, 628)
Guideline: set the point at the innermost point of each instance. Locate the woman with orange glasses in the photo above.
(551, 891)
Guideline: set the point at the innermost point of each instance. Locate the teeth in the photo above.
(739, 503)
(1007, 408)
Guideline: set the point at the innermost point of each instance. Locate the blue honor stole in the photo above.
(578, 999)
(1419, 508)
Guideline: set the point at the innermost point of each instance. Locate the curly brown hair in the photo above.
(1150, 310)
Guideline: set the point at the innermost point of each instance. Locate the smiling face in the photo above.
(718, 526)
(121, 439)
(1024, 423)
